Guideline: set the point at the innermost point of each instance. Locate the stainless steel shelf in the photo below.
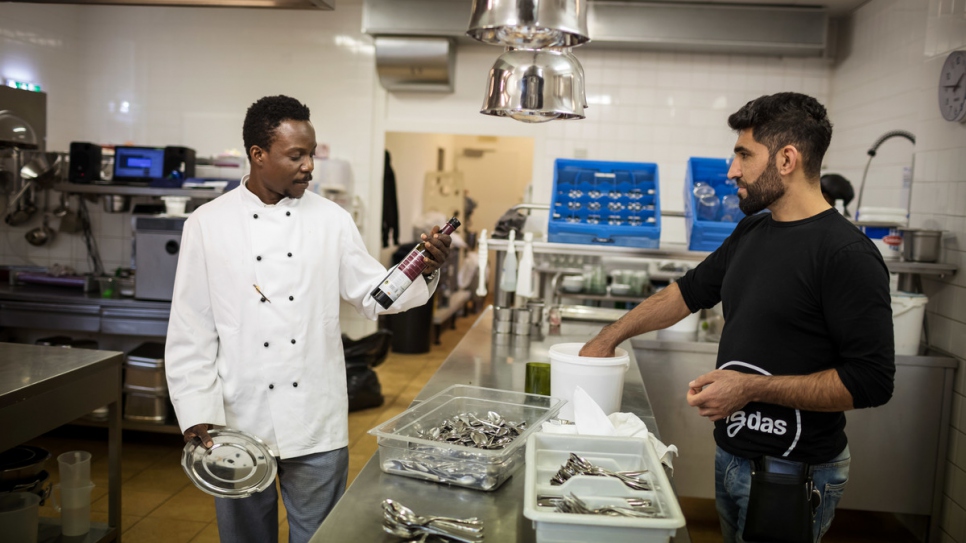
(675, 251)
(128, 190)
(679, 251)
(133, 425)
(922, 268)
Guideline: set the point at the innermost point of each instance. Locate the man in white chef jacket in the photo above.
(254, 342)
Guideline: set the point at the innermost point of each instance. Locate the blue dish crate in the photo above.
(707, 235)
(596, 202)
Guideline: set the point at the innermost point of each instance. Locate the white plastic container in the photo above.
(908, 310)
(546, 453)
(601, 378)
(886, 237)
(18, 516)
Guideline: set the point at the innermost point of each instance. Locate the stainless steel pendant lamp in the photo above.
(537, 78)
(532, 24)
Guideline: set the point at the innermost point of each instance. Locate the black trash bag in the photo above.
(369, 351)
(364, 388)
(511, 220)
(361, 356)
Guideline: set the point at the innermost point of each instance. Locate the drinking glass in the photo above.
(708, 207)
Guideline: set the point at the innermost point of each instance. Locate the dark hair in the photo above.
(788, 118)
(264, 116)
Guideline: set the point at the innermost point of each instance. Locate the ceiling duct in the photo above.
(772, 30)
(327, 5)
(423, 64)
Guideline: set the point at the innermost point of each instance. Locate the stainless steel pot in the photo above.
(114, 203)
(535, 86)
(920, 245)
(534, 23)
(22, 463)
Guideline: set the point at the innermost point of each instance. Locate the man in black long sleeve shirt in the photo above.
(808, 322)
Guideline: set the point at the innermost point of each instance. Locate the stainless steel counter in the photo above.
(42, 388)
(477, 361)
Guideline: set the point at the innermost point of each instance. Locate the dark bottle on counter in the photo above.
(403, 275)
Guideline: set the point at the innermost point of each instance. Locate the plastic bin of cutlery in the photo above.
(594, 488)
(465, 436)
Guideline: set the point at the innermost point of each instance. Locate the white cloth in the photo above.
(275, 369)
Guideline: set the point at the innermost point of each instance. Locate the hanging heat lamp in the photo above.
(537, 78)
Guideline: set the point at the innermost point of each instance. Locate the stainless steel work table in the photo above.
(42, 388)
(476, 361)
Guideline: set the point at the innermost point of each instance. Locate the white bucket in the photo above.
(908, 310)
(886, 238)
(601, 378)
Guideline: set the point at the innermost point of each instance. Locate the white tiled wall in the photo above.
(888, 81)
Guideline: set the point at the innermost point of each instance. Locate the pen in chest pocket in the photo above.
(262, 294)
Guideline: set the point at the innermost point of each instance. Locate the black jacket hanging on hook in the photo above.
(390, 207)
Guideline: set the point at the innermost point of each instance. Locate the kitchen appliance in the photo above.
(138, 165)
(157, 243)
(179, 162)
(85, 162)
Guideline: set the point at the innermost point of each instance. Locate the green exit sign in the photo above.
(22, 85)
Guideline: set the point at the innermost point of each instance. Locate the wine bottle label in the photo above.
(395, 284)
(412, 265)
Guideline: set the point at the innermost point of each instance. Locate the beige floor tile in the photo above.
(208, 535)
(154, 530)
(188, 504)
(135, 502)
(159, 478)
(127, 521)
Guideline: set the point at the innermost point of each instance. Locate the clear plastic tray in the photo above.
(546, 453)
(403, 452)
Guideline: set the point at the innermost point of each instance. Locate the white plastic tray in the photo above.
(546, 453)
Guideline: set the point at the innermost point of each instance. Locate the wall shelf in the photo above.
(129, 190)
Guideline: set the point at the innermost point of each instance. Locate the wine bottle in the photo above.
(399, 278)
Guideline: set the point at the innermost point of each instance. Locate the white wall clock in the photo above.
(952, 87)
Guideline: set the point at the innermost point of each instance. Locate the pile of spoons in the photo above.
(468, 429)
(399, 520)
(579, 466)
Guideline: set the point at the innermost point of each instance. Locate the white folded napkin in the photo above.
(591, 420)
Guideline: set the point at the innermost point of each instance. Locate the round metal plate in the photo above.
(236, 466)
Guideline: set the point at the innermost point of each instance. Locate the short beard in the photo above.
(765, 191)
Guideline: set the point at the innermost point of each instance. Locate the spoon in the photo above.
(408, 514)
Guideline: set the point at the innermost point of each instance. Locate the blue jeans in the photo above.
(732, 481)
(311, 485)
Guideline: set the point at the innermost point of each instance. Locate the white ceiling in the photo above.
(836, 8)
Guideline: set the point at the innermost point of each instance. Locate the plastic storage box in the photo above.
(614, 203)
(546, 453)
(707, 235)
(403, 452)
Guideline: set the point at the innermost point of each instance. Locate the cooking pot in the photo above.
(116, 203)
(22, 463)
(920, 245)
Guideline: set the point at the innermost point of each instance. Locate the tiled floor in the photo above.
(160, 505)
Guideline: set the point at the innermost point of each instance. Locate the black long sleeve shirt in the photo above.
(798, 297)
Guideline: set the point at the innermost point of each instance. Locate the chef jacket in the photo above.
(270, 363)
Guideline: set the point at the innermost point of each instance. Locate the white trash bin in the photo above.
(908, 310)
